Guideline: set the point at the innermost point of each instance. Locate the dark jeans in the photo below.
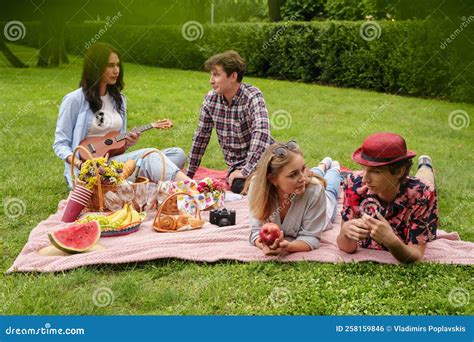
(238, 185)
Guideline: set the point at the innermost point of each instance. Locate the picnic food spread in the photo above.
(178, 205)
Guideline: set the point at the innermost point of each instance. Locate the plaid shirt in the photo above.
(243, 129)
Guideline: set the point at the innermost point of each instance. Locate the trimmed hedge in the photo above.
(307, 10)
(405, 59)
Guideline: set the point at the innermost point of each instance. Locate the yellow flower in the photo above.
(88, 173)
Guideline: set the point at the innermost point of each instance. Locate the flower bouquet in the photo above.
(110, 172)
(212, 188)
(99, 170)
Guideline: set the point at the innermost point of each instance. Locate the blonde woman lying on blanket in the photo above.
(301, 203)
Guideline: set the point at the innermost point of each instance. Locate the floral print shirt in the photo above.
(413, 214)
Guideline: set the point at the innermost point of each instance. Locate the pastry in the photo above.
(195, 222)
(182, 220)
(128, 168)
(167, 223)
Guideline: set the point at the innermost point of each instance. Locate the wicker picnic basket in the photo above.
(168, 223)
(169, 207)
(125, 230)
(139, 181)
(97, 200)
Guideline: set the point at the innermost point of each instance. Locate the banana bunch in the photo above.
(120, 218)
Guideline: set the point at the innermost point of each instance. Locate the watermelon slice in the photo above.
(76, 239)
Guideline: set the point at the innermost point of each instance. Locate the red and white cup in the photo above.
(78, 199)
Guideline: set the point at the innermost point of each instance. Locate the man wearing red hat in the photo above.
(384, 208)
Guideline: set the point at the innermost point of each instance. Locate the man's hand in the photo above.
(380, 230)
(356, 229)
(132, 139)
(235, 174)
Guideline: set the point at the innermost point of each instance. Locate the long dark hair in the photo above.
(95, 62)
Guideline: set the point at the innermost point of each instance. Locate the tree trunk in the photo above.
(10, 56)
(274, 9)
(63, 53)
(45, 44)
(53, 49)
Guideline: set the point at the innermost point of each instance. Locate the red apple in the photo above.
(269, 233)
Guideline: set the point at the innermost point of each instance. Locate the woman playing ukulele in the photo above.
(97, 108)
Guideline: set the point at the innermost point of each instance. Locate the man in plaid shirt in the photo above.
(237, 110)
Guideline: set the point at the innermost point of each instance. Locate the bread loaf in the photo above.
(128, 168)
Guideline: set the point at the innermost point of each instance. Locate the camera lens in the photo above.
(224, 222)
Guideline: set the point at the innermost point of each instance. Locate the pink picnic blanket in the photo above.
(212, 243)
(203, 172)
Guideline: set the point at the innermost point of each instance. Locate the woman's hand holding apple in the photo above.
(271, 239)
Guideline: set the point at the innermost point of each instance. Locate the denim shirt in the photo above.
(74, 120)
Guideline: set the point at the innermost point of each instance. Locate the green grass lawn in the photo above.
(325, 121)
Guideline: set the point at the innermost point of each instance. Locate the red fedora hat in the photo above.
(382, 149)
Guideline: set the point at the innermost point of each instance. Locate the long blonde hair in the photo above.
(263, 192)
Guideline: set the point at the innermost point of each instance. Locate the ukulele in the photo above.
(113, 143)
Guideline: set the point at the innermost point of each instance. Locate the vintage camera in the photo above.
(222, 217)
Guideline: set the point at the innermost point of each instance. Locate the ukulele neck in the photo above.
(137, 129)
